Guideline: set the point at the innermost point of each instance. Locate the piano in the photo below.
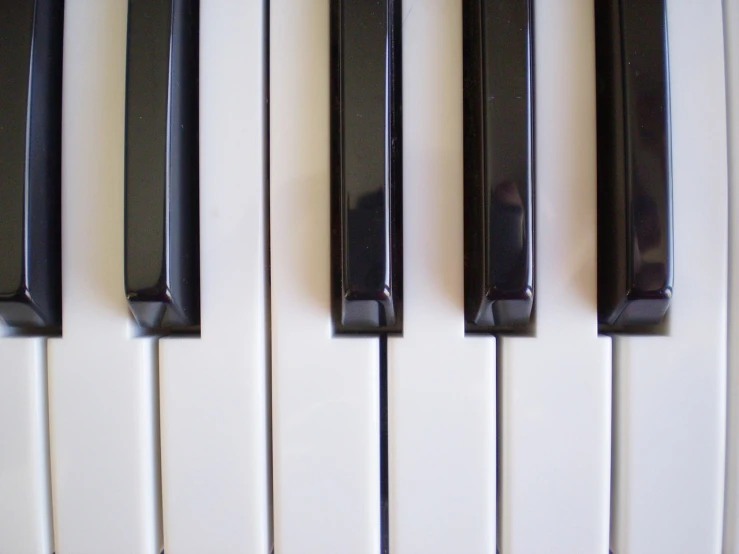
(369, 276)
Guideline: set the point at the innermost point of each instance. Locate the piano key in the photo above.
(161, 164)
(102, 380)
(635, 273)
(25, 495)
(731, 509)
(30, 163)
(498, 157)
(215, 461)
(441, 383)
(325, 389)
(554, 388)
(366, 165)
(670, 390)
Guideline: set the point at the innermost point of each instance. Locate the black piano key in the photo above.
(635, 242)
(366, 165)
(498, 164)
(31, 40)
(161, 165)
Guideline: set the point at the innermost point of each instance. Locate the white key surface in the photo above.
(25, 495)
(670, 391)
(325, 389)
(731, 50)
(102, 383)
(214, 389)
(555, 387)
(441, 384)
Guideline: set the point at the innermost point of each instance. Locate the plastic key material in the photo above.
(161, 165)
(215, 461)
(30, 164)
(25, 492)
(670, 390)
(366, 165)
(30, 264)
(498, 164)
(554, 388)
(325, 397)
(102, 379)
(441, 389)
(635, 238)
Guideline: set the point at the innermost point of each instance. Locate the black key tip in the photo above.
(21, 311)
(503, 311)
(363, 310)
(638, 310)
(158, 312)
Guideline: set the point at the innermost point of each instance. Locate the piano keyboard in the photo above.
(369, 276)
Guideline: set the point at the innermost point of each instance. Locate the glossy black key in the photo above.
(498, 164)
(31, 34)
(366, 165)
(161, 165)
(635, 258)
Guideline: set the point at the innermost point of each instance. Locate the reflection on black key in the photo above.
(161, 165)
(635, 269)
(366, 165)
(31, 34)
(498, 164)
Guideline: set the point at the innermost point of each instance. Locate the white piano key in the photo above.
(555, 387)
(441, 384)
(670, 391)
(215, 466)
(325, 390)
(102, 383)
(731, 50)
(25, 494)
